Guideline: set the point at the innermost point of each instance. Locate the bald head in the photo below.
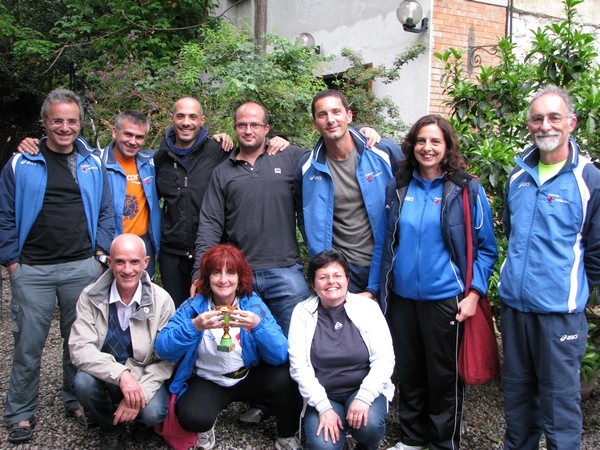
(128, 261)
(130, 242)
(187, 121)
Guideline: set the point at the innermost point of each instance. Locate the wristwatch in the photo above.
(101, 258)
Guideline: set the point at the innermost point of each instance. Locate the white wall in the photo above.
(371, 28)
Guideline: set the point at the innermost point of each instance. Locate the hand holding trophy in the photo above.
(226, 344)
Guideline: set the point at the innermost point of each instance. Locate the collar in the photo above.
(115, 297)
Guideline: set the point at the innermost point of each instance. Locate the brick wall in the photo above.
(452, 21)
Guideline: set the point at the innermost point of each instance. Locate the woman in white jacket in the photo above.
(342, 358)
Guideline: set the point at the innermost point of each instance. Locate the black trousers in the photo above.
(176, 275)
(199, 406)
(426, 339)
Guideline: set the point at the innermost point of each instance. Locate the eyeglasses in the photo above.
(254, 126)
(553, 119)
(334, 277)
(60, 122)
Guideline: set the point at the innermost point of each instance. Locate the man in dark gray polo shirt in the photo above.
(249, 203)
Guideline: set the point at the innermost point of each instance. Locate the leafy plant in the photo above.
(225, 69)
(590, 366)
(381, 113)
(489, 111)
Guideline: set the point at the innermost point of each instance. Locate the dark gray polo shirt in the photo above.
(252, 207)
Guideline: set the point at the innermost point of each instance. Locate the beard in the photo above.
(547, 142)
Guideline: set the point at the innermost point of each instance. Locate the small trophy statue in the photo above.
(226, 344)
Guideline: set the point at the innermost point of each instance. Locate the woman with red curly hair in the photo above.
(214, 375)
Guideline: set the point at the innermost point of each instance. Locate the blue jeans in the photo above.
(100, 400)
(35, 290)
(368, 437)
(281, 289)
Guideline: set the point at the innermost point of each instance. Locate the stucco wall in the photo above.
(372, 29)
(368, 27)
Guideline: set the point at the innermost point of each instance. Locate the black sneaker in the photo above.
(112, 442)
(253, 416)
(138, 432)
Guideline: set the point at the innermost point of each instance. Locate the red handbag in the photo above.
(173, 433)
(478, 358)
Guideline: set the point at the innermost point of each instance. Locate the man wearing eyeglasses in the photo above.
(249, 203)
(56, 220)
(552, 220)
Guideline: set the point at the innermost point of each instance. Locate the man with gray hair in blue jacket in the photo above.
(552, 219)
(56, 225)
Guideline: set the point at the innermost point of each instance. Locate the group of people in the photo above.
(381, 222)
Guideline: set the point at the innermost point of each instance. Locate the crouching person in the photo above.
(120, 379)
(248, 363)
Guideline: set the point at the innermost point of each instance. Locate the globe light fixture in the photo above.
(307, 40)
(409, 14)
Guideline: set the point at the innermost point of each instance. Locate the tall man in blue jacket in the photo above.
(552, 219)
(56, 220)
(340, 187)
(133, 182)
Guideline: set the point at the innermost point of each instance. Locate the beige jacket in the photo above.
(91, 325)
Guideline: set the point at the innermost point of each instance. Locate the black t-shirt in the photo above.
(59, 234)
(338, 353)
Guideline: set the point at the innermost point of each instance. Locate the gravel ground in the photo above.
(483, 417)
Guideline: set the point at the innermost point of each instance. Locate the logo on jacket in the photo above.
(277, 170)
(147, 180)
(556, 198)
(370, 176)
(86, 167)
(338, 326)
(437, 200)
(315, 177)
(524, 184)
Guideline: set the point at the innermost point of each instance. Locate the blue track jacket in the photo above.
(22, 189)
(553, 234)
(313, 188)
(118, 186)
(453, 234)
(178, 341)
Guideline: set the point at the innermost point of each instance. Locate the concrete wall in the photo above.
(371, 28)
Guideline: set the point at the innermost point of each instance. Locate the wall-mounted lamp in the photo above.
(307, 40)
(473, 58)
(409, 14)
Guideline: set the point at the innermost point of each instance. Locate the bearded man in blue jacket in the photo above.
(552, 219)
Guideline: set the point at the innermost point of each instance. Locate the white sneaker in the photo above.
(206, 440)
(401, 446)
(290, 443)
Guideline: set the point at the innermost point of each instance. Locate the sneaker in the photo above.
(401, 446)
(206, 440)
(112, 441)
(253, 416)
(140, 433)
(289, 443)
